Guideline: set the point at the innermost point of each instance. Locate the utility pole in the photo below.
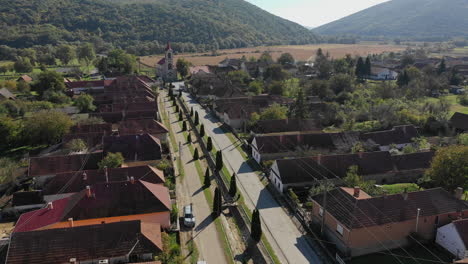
(324, 213)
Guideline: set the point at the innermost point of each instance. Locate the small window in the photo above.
(321, 212)
(339, 229)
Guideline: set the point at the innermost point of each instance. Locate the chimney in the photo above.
(73, 261)
(405, 194)
(85, 176)
(357, 191)
(70, 222)
(88, 191)
(132, 180)
(106, 173)
(459, 193)
(50, 206)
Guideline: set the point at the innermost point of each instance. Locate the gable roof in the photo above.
(55, 164)
(140, 126)
(359, 213)
(134, 147)
(397, 135)
(84, 243)
(87, 84)
(4, 92)
(107, 200)
(459, 121)
(412, 161)
(25, 78)
(76, 181)
(286, 125)
(94, 128)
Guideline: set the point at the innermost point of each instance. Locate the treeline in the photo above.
(142, 28)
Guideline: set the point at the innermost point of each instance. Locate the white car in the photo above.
(189, 218)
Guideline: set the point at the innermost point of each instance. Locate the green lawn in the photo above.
(400, 188)
(420, 253)
(453, 99)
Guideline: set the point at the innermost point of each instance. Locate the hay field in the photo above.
(300, 52)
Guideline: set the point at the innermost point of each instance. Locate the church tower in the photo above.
(169, 57)
(165, 68)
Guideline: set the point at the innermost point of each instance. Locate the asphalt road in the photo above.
(289, 244)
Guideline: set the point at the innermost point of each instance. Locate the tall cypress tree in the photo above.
(300, 110)
(368, 67)
(180, 116)
(442, 67)
(233, 186)
(256, 226)
(219, 160)
(184, 126)
(197, 121)
(207, 181)
(217, 203)
(191, 111)
(196, 155)
(202, 130)
(360, 68)
(209, 144)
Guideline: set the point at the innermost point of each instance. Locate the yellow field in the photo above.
(301, 53)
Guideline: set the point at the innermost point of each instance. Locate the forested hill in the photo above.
(135, 23)
(425, 19)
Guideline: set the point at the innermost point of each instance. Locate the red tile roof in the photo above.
(95, 128)
(75, 181)
(397, 135)
(86, 84)
(107, 200)
(134, 147)
(85, 243)
(56, 164)
(140, 126)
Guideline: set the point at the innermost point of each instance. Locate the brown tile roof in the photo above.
(419, 160)
(4, 92)
(115, 117)
(286, 125)
(91, 139)
(56, 164)
(27, 198)
(85, 243)
(75, 181)
(134, 147)
(96, 128)
(25, 78)
(388, 209)
(107, 200)
(140, 126)
(291, 142)
(397, 135)
(86, 84)
(459, 121)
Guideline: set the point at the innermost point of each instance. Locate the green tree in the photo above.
(233, 186)
(10, 130)
(76, 145)
(183, 67)
(85, 103)
(403, 79)
(256, 226)
(277, 88)
(209, 144)
(239, 78)
(197, 121)
(300, 108)
(449, 168)
(23, 65)
(196, 155)
(65, 53)
(46, 127)
(206, 180)
(49, 81)
(184, 126)
(118, 61)
(323, 65)
(189, 138)
(442, 67)
(219, 160)
(202, 130)
(360, 68)
(275, 72)
(256, 87)
(111, 160)
(286, 58)
(217, 203)
(368, 67)
(463, 139)
(86, 53)
(274, 112)
(341, 83)
(191, 111)
(9, 170)
(181, 117)
(265, 57)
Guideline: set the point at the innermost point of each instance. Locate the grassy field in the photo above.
(400, 188)
(453, 99)
(300, 52)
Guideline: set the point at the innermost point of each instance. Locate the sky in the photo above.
(313, 13)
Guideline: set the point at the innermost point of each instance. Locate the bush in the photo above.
(463, 99)
(112, 160)
(8, 170)
(85, 103)
(47, 127)
(76, 145)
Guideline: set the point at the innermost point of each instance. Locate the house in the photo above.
(400, 136)
(102, 203)
(382, 74)
(72, 182)
(90, 134)
(120, 242)
(211, 86)
(79, 87)
(233, 64)
(286, 125)
(197, 69)
(141, 126)
(165, 68)
(256, 69)
(456, 90)
(453, 237)
(43, 168)
(359, 224)
(5, 94)
(134, 148)
(380, 167)
(25, 78)
(459, 121)
(278, 146)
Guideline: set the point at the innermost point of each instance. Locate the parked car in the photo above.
(189, 218)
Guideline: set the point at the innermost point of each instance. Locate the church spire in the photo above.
(168, 46)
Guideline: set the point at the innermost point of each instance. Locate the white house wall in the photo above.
(448, 238)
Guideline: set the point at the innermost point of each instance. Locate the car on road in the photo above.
(189, 218)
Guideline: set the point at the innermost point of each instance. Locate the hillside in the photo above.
(133, 23)
(425, 19)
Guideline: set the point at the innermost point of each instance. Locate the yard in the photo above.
(422, 254)
(453, 99)
(400, 188)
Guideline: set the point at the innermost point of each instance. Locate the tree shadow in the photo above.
(205, 223)
(201, 189)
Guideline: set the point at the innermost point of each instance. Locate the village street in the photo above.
(189, 191)
(288, 243)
